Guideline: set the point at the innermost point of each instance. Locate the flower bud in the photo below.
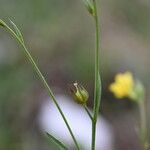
(90, 7)
(79, 93)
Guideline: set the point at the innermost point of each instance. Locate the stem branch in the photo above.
(42, 78)
(88, 112)
(97, 90)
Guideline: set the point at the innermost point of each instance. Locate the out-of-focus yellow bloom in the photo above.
(123, 85)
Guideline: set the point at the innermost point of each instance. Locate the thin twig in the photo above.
(42, 78)
(88, 112)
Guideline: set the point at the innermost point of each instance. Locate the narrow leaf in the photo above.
(17, 31)
(60, 144)
(97, 97)
(99, 88)
(2, 23)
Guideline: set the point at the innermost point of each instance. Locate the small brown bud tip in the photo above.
(2, 23)
(79, 93)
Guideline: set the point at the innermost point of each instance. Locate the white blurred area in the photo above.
(50, 121)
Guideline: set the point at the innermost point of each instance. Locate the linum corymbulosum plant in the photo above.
(79, 93)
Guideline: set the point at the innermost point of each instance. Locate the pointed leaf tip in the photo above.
(2, 23)
(17, 31)
(56, 141)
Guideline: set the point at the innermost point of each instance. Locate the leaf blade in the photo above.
(56, 141)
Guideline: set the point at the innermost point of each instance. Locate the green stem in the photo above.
(42, 78)
(93, 135)
(143, 125)
(97, 91)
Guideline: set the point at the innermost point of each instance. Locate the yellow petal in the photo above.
(123, 85)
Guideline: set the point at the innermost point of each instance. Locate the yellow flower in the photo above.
(123, 85)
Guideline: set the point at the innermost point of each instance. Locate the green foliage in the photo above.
(57, 142)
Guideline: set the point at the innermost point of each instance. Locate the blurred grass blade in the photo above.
(17, 31)
(2, 23)
(60, 144)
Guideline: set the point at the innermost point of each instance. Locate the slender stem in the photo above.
(42, 78)
(50, 94)
(143, 126)
(88, 112)
(93, 135)
(97, 91)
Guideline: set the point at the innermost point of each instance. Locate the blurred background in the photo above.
(60, 36)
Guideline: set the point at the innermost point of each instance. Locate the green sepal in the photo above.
(138, 91)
